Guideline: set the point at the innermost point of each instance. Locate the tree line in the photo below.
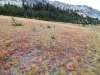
(46, 12)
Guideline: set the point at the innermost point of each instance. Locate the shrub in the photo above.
(40, 25)
(54, 26)
(16, 23)
(52, 37)
(48, 26)
(61, 71)
(34, 29)
(83, 25)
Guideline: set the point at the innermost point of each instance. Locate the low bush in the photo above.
(48, 26)
(16, 23)
(52, 37)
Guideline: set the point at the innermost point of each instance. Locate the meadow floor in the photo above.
(36, 49)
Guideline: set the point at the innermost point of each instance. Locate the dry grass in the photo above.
(25, 51)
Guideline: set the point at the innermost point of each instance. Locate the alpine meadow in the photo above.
(39, 38)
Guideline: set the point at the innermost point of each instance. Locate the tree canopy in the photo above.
(46, 12)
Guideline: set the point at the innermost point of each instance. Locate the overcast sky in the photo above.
(92, 3)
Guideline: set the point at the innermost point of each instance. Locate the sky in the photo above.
(92, 3)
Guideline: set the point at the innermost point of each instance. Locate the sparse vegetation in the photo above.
(61, 71)
(73, 50)
(48, 26)
(40, 25)
(52, 37)
(16, 23)
(43, 27)
(54, 26)
(34, 29)
(83, 25)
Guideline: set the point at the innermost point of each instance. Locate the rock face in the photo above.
(80, 9)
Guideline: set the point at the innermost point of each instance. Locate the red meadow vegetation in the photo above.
(35, 49)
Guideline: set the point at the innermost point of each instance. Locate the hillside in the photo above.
(83, 10)
(47, 12)
(48, 48)
(79, 9)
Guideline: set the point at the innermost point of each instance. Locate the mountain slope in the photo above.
(80, 9)
(12, 2)
(35, 1)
